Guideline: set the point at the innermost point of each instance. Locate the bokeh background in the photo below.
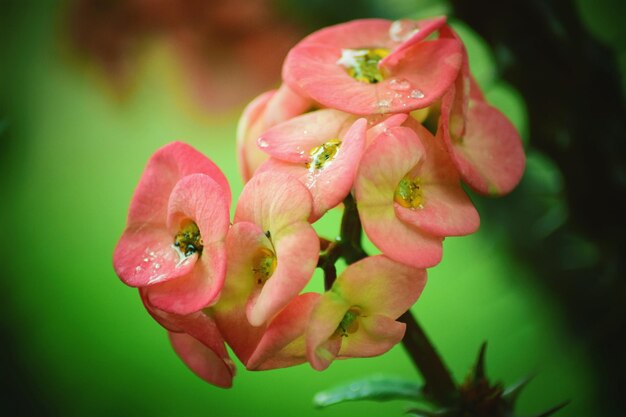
(90, 88)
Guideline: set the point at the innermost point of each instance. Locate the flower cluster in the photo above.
(384, 114)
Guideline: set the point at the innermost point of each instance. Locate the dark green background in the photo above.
(77, 342)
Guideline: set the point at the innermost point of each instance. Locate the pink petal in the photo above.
(331, 184)
(380, 286)
(249, 128)
(197, 289)
(144, 256)
(273, 201)
(297, 252)
(422, 29)
(387, 123)
(322, 341)
(198, 198)
(265, 111)
(490, 156)
(293, 140)
(242, 243)
(164, 169)
(429, 68)
(201, 360)
(400, 241)
(375, 336)
(283, 344)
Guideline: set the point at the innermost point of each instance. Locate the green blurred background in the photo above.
(74, 137)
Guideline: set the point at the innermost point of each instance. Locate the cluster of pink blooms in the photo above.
(385, 111)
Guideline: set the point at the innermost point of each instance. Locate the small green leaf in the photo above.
(377, 388)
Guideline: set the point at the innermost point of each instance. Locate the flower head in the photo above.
(373, 66)
(409, 196)
(357, 317)
(174, 241)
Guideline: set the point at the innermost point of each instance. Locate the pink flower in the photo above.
(173, 246)
(484, 144)
(409, 196)
(272, 249)
(357, 317)
(374, 66)
(322, 149)
(265, 111)
(272, 253)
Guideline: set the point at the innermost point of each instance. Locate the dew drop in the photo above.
(383, 103)
(138, 268)
(157, 266)
(146, 259)
(399, 84)
(262, 143)
(403, 29)
(416, 94)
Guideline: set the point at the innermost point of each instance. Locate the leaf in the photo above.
(377, 388)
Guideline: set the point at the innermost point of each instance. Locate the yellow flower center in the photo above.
(409, 193)
(264, 265)
(362, 64)
(323, 154)
(188, 239)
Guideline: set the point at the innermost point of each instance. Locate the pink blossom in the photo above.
(272, 249)
(373, 66)
(174, 242)
(409, 196)
(357, 317)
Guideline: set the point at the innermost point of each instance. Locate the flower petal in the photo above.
(375, 336)
(297, 252)
(330, 184)
(145, 255)
(490, 156)
(294, 139)
(273, 201)
(380, 286)
(322, 340)
(283, 344)
(164, 169)
(263, 112)
(202, 349)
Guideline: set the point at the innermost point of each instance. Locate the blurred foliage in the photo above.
(77, 342)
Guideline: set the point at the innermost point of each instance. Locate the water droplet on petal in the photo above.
(403, 29)
(416, 94)
(383, 104)
(399, 84)
(262, 143)
(145, 259)
(138, 268)
(157, 266)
